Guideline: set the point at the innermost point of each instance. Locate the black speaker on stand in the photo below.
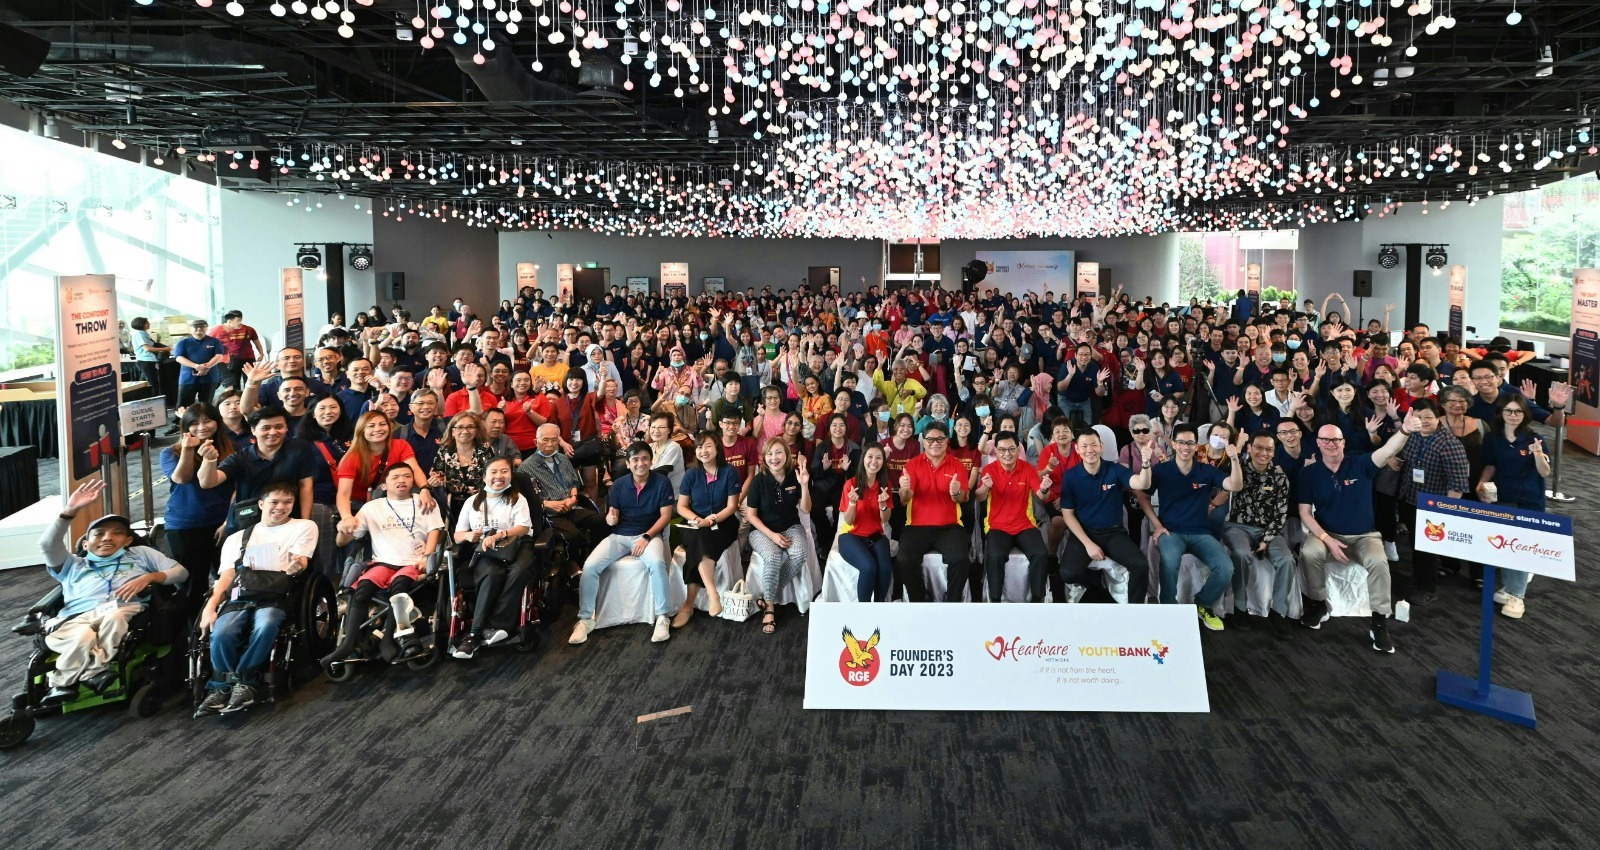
(392, 285)
(1361, 289)
(973, 274)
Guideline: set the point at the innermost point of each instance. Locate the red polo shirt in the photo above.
(1010, 506)
(1066, 463)
(930, 503)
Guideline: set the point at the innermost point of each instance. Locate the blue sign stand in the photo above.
(1482, 695)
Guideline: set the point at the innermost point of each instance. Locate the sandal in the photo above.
(769, 620)
(683, 617)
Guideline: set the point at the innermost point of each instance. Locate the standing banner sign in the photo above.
(934, 657)
(527, 275)
(1252, 280)
(1458, 303)
(674, 280)
(1585, 368)
(564, 272)
(1088, 280)
(294, 309)
(1495, 536)
(88, 381)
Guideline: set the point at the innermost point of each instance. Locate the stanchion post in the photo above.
(149, 491)
(1554, 493)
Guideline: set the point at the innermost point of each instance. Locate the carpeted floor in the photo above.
(1317, 743)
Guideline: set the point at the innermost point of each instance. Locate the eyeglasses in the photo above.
(931, 440)
(1512, 411)
(1330, 439)
(1138, 430)
(1006, 449)
(1184, 443)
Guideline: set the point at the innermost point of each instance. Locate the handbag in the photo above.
(586, 452)
(736, 603)
(258, 587)
(505, 553)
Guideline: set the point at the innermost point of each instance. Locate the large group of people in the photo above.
(1269, 441)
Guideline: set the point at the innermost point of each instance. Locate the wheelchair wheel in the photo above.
(15, 727)
(340, 672)
(146, 702)
(426, 661)
(549, 603)
(319, 618)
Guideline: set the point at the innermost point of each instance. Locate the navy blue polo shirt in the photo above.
(198, 351)
(1186, 499)
(267, 393)
(1083, 383)
(1342, 500)
(1095, 499)
(424, 446)
(706, 498)
(1516, 476)
(638, 508)
(1291, 467)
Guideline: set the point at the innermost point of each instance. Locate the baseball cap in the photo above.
(112, 519)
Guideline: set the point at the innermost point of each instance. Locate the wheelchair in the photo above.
(148, 665)
(307, 634)
(537, 609)
(368, 647)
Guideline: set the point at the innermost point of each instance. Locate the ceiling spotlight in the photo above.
(713, 134)
(308, 257)
(361, 257)
(1388, 256)
(118, 143)
(1547, 62)
(1436, 257)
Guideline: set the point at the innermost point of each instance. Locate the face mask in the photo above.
(1293, 344)
(1279, 358)
(883, 416)
(107, 560)
(705, 337)
(676, 363)
(982, 410)
(497, 490)
(1219, 443)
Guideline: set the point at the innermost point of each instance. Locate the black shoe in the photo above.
(410, 650)
(213, 704)
(58, 695)
(1380, 634)
(1316, 614)
(467, 648)
(1279, 625)
(100, 681)
(242, 697)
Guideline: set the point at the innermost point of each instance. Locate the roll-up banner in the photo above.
(294, 309)
(1458, 303)
(88, 382)
(1088, 280)
(1252, 279)
(1585, 356)
(674, 280)
(527, 275)
(564, 272)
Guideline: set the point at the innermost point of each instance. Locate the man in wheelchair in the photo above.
(247, 604)
(556, 484)
(102, 590)
(404, 536)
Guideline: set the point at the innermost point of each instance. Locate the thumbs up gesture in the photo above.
(955, 486)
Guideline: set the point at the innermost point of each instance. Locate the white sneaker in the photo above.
(580, 632)
(1501, 597)
(663, 629)
(1390, 552)
(1514, 608)
(495, 637)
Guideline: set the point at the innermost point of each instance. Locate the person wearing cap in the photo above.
(101, 591)
(199, 357)
(642, 506)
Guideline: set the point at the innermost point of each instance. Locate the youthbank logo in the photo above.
(1156, 650)
(859, 662)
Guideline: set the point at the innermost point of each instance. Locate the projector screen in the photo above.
(1020, 272)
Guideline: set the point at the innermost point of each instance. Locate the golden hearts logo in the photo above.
(1433, 530)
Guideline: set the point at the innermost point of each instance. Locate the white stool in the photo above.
(1347, 590)
(803, 589)
(729, 571)
(933, 575)
(1116, 576)
(1192, 574)
(1016, 580)
(625, 595)
(839, 579)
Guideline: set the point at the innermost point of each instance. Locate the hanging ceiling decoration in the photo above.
(950, 119)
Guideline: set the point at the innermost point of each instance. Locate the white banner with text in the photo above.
(938, 657)
(1487, 533)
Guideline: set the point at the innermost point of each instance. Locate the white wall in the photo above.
(1330, 252)
(1143, 265)
(259, 236)
(779, 263)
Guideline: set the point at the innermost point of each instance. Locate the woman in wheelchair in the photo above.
(404, 536)
(494, 527)
(102, 590)
(246, 608)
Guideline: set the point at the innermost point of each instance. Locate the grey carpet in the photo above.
(1317, 743)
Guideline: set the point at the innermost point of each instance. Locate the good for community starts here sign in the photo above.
(1005, 657)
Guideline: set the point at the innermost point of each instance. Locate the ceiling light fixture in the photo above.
(308, 257)
(1436, 258)
(1389, 256)
(361, 257)
(1547, 61)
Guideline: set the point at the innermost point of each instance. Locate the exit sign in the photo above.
(591, 265)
